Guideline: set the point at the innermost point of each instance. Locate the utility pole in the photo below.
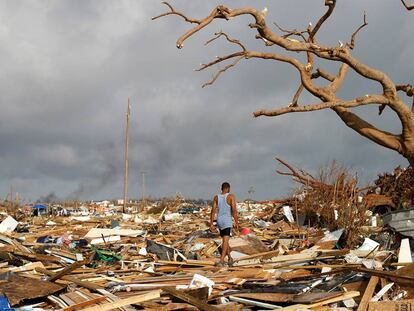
(126, 156)
(11, 194)
(143, 186)
(250, 192)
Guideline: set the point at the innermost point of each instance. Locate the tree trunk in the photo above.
(409, 154)
(407, 147)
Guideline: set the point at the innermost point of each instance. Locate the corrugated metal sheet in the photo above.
(401, 221)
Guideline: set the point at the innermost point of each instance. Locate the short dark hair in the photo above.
(225, 185)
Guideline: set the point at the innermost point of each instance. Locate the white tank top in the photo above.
(224, 219)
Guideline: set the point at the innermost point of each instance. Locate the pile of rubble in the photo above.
(325, 253)
(398, 186)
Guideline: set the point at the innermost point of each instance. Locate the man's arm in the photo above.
(213, 213)
(234, 212)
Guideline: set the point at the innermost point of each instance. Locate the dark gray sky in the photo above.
(68, 67)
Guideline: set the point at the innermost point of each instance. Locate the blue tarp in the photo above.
(39, 206)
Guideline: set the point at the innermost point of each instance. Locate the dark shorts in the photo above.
(225, 231)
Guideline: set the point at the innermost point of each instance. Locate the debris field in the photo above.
(330, 246)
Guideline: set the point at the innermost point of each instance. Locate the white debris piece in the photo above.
(200, 281)
(143, 251)
(8, 224)
(404, 255)
(288, 213)
(332, 236)
(98, 232)
(368, 245)
(381, 293)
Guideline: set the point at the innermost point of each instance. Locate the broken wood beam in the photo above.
(86, 284)
(126, 301)
(66, 270)
(269, 253)
(81, 305)
(369, 291)
(190, 299)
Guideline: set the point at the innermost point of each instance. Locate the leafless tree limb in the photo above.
(174, 12)
(408, 6)
(294, 32)
(408, 89)
(220, 59)
(360, 101)
(331, 6)
(351, 44)
(403, 143)
(325, 75)
(295, 99)
(222, 34)
(218, 73)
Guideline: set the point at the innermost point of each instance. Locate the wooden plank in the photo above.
(196, 263)
(37, 257)
(18, 288)
(112, 297)
(86, 284)
(310, 298)
(201, 262)
(269, 253)
(68, 300)
(190, 299)
(400, 305)
(403, 274)
(255, 303)
(272, 297)
(369, 291)
(126, 301)
(85, 304)
(347, 295)
(66, 270)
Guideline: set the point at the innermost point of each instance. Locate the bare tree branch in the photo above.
(369, 131)
(408, 89)
(294, 32)
(339, 79)
(174, 12)
(336, 54)
(222, 34)
(331, 6)
(220, 59)
(351, 44)
(360, 101)
(301, 177)
(325, 75)
(218, 73)
(408, 6)
(295, 99)
(403, 143)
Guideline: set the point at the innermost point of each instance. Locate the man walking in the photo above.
(224, 205)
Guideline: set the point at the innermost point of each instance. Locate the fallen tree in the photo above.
(329, 199)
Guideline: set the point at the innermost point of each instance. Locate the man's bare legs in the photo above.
(225, 248)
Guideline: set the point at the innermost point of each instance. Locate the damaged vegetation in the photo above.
(331, 199)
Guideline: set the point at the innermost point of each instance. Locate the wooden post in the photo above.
(369, 291)
(126, 156)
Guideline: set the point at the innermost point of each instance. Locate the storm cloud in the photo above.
(69, 66)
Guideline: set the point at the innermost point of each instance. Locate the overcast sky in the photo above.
(68, 67)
